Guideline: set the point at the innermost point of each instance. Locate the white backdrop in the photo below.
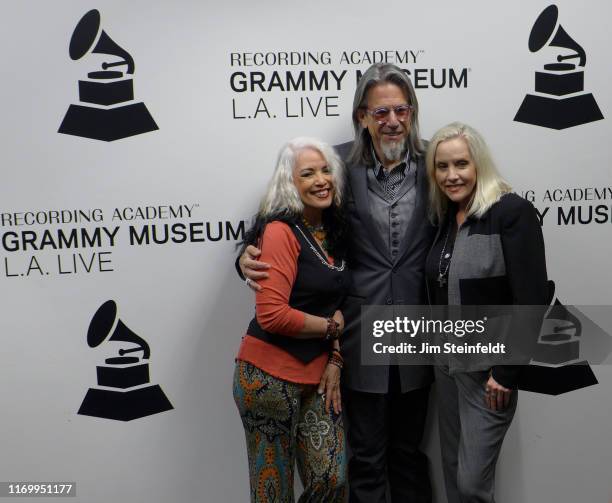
(184, 298)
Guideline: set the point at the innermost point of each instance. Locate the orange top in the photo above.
(280, 248)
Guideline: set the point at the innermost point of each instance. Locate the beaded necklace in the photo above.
(319, 232)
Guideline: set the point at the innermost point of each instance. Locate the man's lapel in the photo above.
(359, 186)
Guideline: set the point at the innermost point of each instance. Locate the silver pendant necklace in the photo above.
(444, 255)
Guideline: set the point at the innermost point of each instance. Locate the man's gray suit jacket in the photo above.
(379, 279)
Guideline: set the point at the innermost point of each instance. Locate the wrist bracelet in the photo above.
(336, 359)
(333, 330)
(336, 352)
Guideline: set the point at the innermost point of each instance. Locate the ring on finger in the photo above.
(248, 282)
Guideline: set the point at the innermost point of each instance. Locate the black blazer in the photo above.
(499, 259)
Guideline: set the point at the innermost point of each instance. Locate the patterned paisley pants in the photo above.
(286, 422)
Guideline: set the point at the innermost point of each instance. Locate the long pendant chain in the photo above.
(444, 255)
(320, 257)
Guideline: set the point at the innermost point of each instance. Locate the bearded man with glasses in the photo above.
(385, 405)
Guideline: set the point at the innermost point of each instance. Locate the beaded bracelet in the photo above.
(336, 359)
(333, 330)
(334, 351)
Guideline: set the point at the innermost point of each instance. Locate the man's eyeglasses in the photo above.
(381, 115)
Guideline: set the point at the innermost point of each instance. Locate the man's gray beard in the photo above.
(393, 151)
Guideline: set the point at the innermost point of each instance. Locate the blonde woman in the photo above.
(489, 250)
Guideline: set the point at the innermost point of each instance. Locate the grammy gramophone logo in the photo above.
(560, 101)
(107, 110)
(124, 391)
(556, 366)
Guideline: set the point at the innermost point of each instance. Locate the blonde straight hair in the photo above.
(490, 186)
